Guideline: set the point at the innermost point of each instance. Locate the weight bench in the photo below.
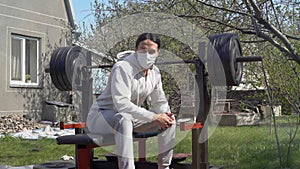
(84, 143)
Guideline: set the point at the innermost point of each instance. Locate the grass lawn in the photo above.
(233, 147)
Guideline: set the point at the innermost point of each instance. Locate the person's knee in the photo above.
(124, 123)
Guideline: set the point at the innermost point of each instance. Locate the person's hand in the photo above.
(164, 120)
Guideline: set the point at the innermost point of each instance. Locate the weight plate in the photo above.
(62, 66)
(53, 69)
(215, 67)
(60, 61)
(222, 65)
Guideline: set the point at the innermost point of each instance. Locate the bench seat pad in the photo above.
(97, 139)
(86, 139)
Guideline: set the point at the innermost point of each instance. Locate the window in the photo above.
(24, 60)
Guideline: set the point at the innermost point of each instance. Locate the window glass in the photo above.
(31, 60)
(24, 60)
(16, 59)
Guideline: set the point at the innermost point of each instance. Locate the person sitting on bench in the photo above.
(118, 109)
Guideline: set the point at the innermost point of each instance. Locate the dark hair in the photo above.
(153, 37)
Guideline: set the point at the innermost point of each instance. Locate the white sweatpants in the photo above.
(123, 125)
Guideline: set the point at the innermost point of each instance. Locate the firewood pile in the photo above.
(16, 123)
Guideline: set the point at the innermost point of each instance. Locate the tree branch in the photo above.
(223, 9)
(214, 21)
(253, 41)
(288, 49)
(291, 36)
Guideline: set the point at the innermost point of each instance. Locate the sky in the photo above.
(82, 8)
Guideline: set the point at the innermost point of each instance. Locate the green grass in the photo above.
(247, 148)
(18, 152)
(233, 147)
(244, 147)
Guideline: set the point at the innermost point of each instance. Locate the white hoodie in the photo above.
(128, 87)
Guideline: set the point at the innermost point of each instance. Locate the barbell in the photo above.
(224, 62)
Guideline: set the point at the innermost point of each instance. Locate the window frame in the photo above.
(22, 82)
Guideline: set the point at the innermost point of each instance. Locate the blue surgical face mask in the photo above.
(146, 60)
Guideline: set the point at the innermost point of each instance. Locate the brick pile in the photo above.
(16, 123)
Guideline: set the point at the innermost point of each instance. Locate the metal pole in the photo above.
(200, 150)
(86, 89)
(158, 63)
(86, 100)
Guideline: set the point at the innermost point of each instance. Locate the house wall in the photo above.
(43, 19)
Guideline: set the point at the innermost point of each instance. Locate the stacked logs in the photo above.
(16, 123)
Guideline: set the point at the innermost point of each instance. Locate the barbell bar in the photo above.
(224, 62)
(238, 59)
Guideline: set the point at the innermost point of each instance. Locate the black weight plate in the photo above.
(215, 67)
(228, 48)
(61, 68)
(62, 65)
(57, 69)
(52, 65)
(67, 65)
(54, 70)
